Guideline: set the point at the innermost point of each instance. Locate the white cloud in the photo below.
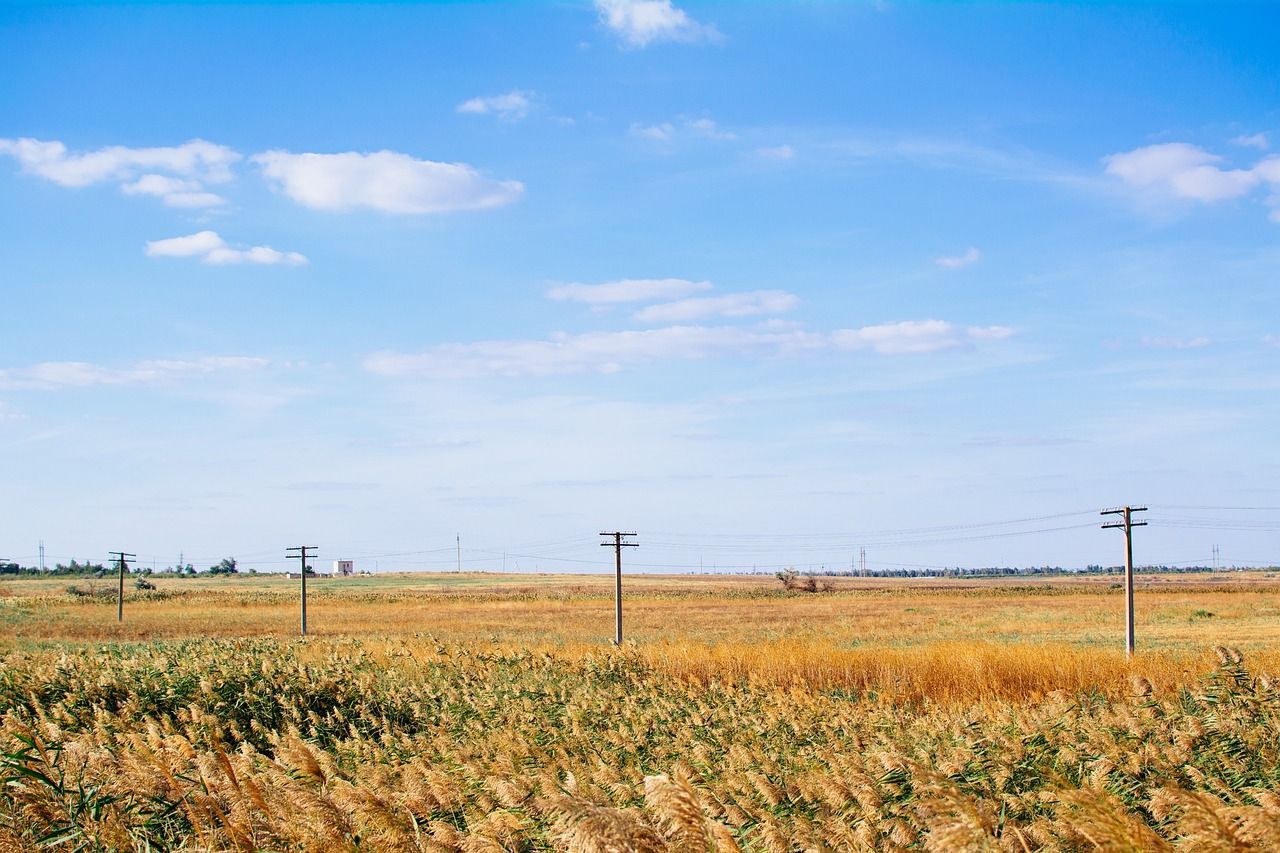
(776, 152)
(1182, 170)
(592, 352)
(915, 337)
(709, 129)
(1268, 170)
(666, 131)
(989, 333)
(81, 374)
(1210, 184)
(200, 243)
(256, 255)
(656, 132)
(1175, 343)
(194, 199)
(511, 106)
(384, 180)
(627, 290)
(175, 192)
(953, 262)
(1154, 164)
(197, 158)
(212, 249)
(750, 304)
(1256, 140)
(641, 22)
(188, 166)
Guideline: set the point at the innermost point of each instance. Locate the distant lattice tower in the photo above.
(344, 568)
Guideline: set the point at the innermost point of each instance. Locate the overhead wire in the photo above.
(768, 545)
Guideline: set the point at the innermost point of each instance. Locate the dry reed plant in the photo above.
(430, 745)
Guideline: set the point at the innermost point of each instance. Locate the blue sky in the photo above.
(765, 282)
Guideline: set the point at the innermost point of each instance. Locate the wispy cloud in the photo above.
(174, 174)
(678, 302)
(385, 181)
(656, 132)
(174, 192)
(667, 131)
(627, 290)
(511, 106)
(915, 337)
(212, 249)
(330, 486)
(750, 304)
(639, 23)
(707, 128)
(592, 352)
(776, 152)
(82, 374)
(1175, 343)
(988, 333)
(969, 256)
(1255, 140)
(610, 352)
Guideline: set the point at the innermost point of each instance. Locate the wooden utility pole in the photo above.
(302, 557)
(617, 545)
(121, 558)
(1127, 524)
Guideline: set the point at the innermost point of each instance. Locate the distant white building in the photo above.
(344, 568)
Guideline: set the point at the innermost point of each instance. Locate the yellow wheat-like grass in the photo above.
(760, 739)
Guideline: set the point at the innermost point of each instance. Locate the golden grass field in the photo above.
(491, 712)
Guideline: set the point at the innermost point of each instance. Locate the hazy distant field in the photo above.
(1174, 613)
(485, 712)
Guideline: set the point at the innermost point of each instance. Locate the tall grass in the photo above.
(426, 744)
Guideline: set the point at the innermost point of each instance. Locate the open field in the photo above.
(1173, 612)
(487, 712)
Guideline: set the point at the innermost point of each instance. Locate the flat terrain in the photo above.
(1172, 611)
(723, 625)
(470, 712)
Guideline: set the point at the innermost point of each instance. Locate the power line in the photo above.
(860, 542)
(886, 532)
(1222, 508)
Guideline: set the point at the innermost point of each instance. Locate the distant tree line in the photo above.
(72, 568)
(227, 566)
